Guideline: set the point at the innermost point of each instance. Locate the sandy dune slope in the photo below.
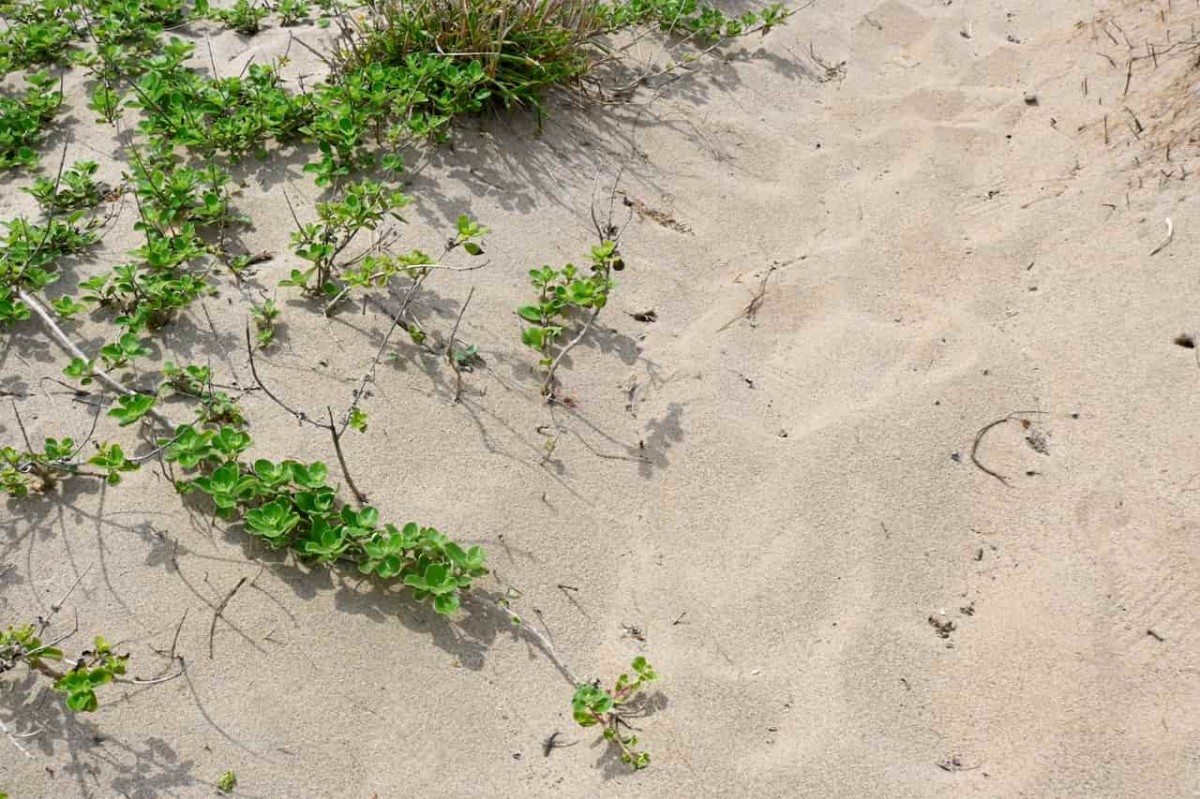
(865, 238)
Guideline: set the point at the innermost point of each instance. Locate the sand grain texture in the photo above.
(943, 257)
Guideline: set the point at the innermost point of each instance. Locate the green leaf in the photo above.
(131, 408)
(446, 604)
(530, 313)
(82, 702)
(227, 782)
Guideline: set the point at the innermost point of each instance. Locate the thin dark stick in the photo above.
(88, 437)
(370, 373)
(301, 416)
(57, 606)
(547, 384)
(212, 629)
(331, 427)
(21, 424)
(174, 640)
(450, 347)
(337, 448)
(975, 449)
(751, 309)
(983, 431)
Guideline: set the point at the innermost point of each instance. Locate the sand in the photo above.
(779, 505)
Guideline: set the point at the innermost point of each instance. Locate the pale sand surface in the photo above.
(945, 257)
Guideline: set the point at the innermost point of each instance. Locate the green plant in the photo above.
(25, 473)
(111, 458)
(216, 408)
(147, 296)
(289, 505)
(593, 706)
(235, 115)
(36, 32)
(510, 52)
(74, 191)
(266, 316)
(227, 782)
(561, 293)
(243, 16)
(357, 420)
(93, 668)
(132, 407)
(292, 12)
(29, 256)
(690, 19)
(22, 119)
(67, 307)
(499, 50)
(364, 206)
(119, 353)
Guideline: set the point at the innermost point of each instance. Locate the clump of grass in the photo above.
(522, 46)
(510, 52)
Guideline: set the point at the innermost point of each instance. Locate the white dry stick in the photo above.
(1170, 235)
(526, 628)
(65, 342)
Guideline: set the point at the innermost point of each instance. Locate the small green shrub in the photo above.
(243, 16)
(94, 668)
(75, 190)
(23, 118)
(593, 706)
(290, 505)
(25, 473)
(29, 256)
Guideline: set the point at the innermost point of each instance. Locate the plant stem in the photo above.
(450, 346)
(547, 384)
(337, 448)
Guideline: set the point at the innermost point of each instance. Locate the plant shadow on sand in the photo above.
(520, 161)
(137, 769)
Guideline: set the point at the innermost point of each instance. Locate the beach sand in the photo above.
(865, 238)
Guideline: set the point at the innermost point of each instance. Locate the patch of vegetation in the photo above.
(562, 294)
(403, 72)
(22, 645)
(235, 116)
(510, 52)
(244, 16)
(290, 505)
(29, 256)
(215, 407)
(37, 472)
(227, 782)
(364, 206)
(75, 189)
(593, 706)
(23, 118)
(38, 33)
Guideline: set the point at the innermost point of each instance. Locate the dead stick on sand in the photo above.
(1170, 235)
(212, 629)
(983, 431)
(751, 310)
(65, 342)
(527, 629)
(453, 361)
